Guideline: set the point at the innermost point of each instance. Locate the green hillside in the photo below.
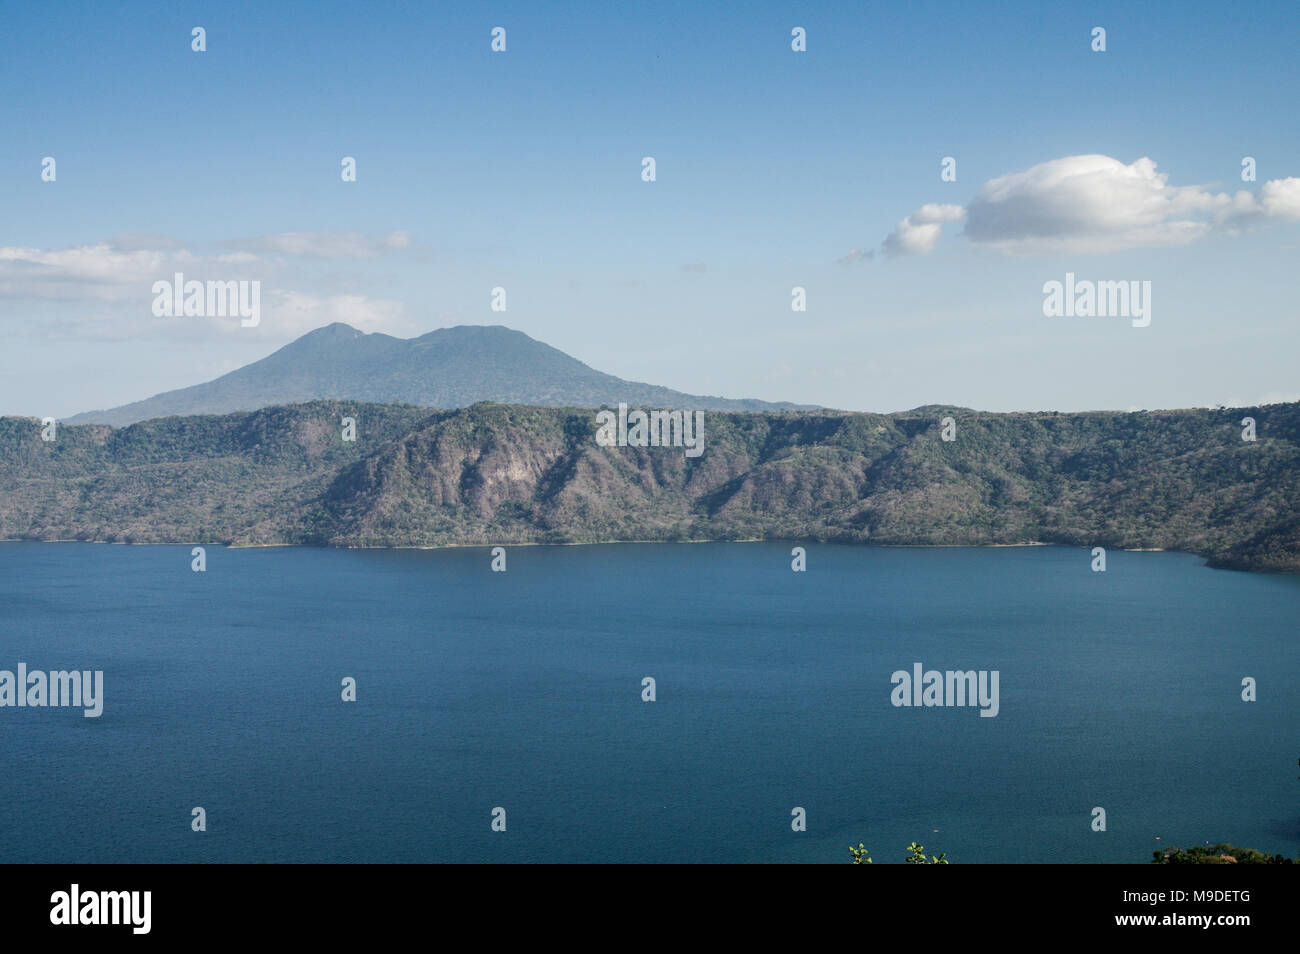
(495, 473)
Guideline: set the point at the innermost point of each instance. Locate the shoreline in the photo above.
(795, 541)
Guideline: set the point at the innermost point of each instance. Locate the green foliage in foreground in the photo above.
(916, 856)
(1220, 854)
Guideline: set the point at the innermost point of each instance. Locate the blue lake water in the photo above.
(523, 689)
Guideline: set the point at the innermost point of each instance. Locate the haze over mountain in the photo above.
(447, 368)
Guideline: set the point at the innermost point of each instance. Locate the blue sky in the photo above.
(522, 169)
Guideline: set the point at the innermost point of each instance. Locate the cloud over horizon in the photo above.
(114, 279)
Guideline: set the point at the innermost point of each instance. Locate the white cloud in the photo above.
(328, 245)
(856, 255)
(81, 272)
(124, 267)
(1093, 204)
(1087, 204)
(288, 314)
(918, 233)
(105, 291)
(1278, 199)
(138, 241)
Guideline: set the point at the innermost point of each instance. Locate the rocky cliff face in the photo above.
(494, 473)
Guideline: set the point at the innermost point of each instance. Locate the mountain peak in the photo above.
(482, 332)
(336, 329)
(446, 368)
